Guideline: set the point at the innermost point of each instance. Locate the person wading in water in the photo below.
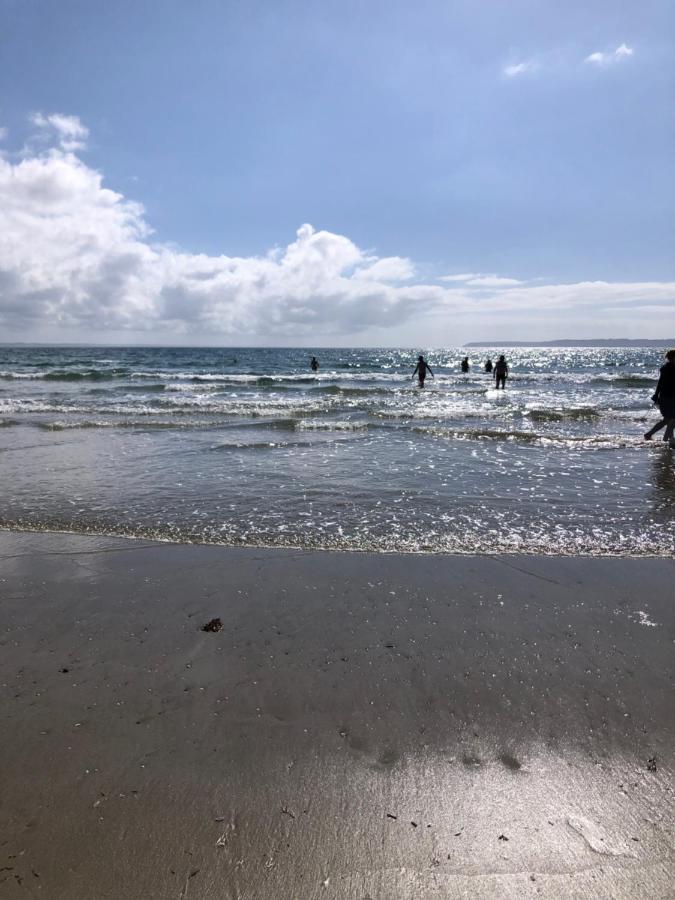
(421, 370)
(501, 372)
(664, 397)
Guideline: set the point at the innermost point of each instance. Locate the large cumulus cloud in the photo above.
(73, 252)
(76, 255)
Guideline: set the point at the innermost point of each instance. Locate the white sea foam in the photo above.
(643, 619)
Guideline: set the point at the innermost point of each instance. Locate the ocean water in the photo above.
(248, 446)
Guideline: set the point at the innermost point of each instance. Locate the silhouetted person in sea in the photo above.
(488, 365)
(465, 365)
(314, 365)
(501, 372)
(421, 370)
(664, 396)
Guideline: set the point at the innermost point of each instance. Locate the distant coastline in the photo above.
(609, 342)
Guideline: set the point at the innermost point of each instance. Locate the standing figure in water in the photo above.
(664, 396)
(421, 370)
(314, 365)
(465, 365)
(488, 365)
(501, 372)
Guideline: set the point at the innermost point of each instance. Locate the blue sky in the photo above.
(531, 141)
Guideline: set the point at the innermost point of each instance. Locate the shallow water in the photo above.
(249, 446)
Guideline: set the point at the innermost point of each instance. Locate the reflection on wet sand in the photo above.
(662, 499)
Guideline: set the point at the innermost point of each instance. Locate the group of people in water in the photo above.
(664, 396)
(499, 371)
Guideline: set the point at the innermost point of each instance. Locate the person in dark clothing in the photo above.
(501, 372)
(314, 365)
(421, 370)
(465, 365)
(664, 397)
(488, 365)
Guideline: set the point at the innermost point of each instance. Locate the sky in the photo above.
(315, 172)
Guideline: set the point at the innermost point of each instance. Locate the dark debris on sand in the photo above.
(213, 625)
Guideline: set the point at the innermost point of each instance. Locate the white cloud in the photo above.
(74, 253)
(605, 59)
(70, 133)
(492, 281)
(79, 259)
(389, 268)
(463, 276)
(551, 61)
(596, 296)
(475, 279)
(521, 68)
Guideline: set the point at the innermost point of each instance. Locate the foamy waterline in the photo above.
(344, 544)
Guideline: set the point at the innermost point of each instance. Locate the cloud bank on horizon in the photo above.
(78, 261)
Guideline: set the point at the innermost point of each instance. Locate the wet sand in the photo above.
(362, 726)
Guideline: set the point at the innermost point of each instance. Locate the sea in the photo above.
(248, 446)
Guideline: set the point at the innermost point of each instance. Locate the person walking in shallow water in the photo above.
(664, 396)
(314, 365)
(421, 370)
(501, 372)
(488, 365)
(465, 365)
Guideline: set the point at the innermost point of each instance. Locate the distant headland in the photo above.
(597, 342)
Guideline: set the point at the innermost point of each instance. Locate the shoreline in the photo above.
(385, 725)
(154, 538)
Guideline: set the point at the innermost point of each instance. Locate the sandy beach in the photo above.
(363, 726)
